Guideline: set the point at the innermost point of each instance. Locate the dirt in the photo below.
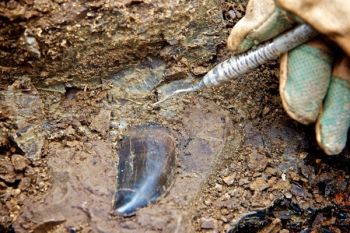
(72, 41)
(242, 165)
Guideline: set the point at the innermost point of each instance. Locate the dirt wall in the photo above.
(55, 41)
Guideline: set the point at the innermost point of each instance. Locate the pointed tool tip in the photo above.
(162, 100)
(179, 91)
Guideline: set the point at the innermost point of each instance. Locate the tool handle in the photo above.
(241, 64)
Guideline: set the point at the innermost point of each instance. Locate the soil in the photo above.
(242, 165)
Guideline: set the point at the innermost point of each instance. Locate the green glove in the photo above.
(314, 84)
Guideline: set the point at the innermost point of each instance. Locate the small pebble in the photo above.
(243, 181)
(16, 192)
(283, 176)
(218, 187)
(207, 202)
(232, 14)
(229, 180)
(288, 195)
(258, 184)
(41, 185)
(225, 197)
(224, 211)
(13, 149)
(200, 70)
(208, 223)
(266, 110)
(224, 219)
(271, 171)
(7, 172)
(19, 162)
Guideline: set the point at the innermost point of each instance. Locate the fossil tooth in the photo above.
(146, 167)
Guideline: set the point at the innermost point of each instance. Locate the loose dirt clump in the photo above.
(19, 180)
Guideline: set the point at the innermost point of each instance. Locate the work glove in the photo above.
(314, 77)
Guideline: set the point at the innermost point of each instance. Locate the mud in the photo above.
(242, 165)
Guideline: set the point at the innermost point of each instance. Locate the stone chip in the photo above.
(19, 162)
(208, 223)
(259, 184)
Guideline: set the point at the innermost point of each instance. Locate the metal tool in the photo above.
(243, 63)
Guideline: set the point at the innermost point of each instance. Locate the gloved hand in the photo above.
(314, 77)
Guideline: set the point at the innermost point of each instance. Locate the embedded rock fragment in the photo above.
(7, 171)
(22, 110)
(19, 162)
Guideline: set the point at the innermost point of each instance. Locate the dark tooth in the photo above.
(146, 167)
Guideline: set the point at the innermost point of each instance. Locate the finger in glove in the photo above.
(305, 74)
(334, 121)
(263, 21)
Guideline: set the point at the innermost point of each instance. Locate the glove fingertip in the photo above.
(334, 120)
(304, 79)
(245, 45)
(329, 147)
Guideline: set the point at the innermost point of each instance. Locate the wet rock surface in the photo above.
(229, 163)
(82, 158)
(284, 214)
